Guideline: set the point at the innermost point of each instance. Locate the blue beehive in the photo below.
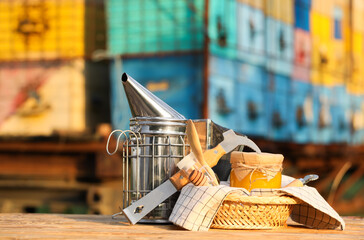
(279, 42)
(224, 67)
(322, 114)
(251, 117)
(277, 106)
(302, 14)
(340, 115)
(300, 115)
(177, 80)
(222, 28)
(250, 33)
(120, 113)
(222, 100)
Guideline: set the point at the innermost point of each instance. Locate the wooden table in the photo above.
(62, 226)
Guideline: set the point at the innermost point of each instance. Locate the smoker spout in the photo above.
(143, 103)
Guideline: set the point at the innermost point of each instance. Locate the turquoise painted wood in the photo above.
(341, 115)
(236, 96)
(250, 31)
(279, 46)
(154, 26)
(177, 80)
(252, 115)
(222, 105)
(223, 66)
(300, 115)
(251, 74)
(222, 28)
(276, 99)
(322, 115)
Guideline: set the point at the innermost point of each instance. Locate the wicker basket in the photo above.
(248, 212)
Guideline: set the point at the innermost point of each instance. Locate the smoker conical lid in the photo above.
(143, 103)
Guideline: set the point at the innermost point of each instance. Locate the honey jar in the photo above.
(251, 170)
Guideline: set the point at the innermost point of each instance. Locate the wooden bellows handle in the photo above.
(194, 141)
(198, 178)
(195, 144)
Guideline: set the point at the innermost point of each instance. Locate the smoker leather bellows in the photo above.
(156, 143)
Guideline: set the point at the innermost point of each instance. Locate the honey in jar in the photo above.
(251, 170)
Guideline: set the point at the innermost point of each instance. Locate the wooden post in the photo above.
(205, 113)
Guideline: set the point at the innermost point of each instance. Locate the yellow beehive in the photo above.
(341, 47)
(339, 61)
(358, 40)
(42, 98)
(358, 15)
(38, 29)
(322, 50)
(323, 7)
(280, 9)
(356, 83)
(347, 38)
(358, 51)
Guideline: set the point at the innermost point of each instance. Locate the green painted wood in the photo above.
(148, 26)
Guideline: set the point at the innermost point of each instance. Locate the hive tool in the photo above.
(231, 141)
(190, 171)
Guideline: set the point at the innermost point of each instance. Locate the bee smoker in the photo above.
(155, 144)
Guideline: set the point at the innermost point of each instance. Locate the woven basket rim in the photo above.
(239, 211)
(238, 197)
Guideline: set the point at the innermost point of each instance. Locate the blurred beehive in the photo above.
(160, 45)
(155, 26)
(278, 70)
(290, 71)
(53, 97)
(356, 84)
(309, 88)
(275, 67)
(36, 29)
(48, 83)
(46, 98)
(41, 98)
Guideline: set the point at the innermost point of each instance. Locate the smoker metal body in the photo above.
(155, 145)
(150, 155)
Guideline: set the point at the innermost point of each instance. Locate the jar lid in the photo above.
(244, 163)
(253, 158)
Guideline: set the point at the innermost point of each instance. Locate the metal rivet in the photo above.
(139, 209)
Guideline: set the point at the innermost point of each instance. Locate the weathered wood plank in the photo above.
(58, 226)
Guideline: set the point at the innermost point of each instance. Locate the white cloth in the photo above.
(196, 207)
